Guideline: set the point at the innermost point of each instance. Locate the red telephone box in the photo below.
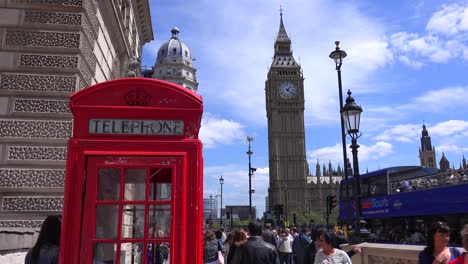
(133, 187)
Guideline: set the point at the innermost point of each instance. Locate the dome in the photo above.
(174, 48)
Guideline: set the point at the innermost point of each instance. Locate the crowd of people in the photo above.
(258, 245)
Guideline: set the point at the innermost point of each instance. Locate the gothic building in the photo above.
(48, 50)
(444, 163)
(427, 154)
(174, 63)
(284, 94)
(323, 184)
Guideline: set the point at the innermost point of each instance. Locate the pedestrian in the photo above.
(330, 254)
(46, 250)
(311, 250)
(464, 257)
(300, 241)
(255, 250)
(285, 248)
(341, 239)
(212, 253)
(268, 235)
(238, 237)
(437, 250)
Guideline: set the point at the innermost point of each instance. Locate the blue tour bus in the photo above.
(398, 202)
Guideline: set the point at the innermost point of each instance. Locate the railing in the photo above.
(372, 253)
(430, 181)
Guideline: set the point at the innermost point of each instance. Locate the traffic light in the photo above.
(280, 209)
(328, 205)
(331, 203)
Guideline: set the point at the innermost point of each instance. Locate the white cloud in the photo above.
(414, 64)
(335, 153)
(445, 38)
(450, 128)
(451, 20)
(440, 100)
(401, 133)
(216, 130)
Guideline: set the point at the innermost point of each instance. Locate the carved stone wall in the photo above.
(31, 178)
(44, 17)
(43, 39)
(48, 61)
(40, 106)
(32, 203)
(50, 49)
(37, 153)
(36, 82)
(35, 129)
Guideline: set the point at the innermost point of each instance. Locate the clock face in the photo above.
(288, 90)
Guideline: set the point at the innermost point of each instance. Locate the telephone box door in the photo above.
(130, 203)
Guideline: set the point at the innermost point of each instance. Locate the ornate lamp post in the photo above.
(351, 115)
(221, 182)
(338, 55)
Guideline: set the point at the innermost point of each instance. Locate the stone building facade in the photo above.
(48, 50)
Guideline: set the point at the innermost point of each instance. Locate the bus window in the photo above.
(377, 186)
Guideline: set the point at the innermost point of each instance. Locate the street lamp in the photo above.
(221, 182)
(351, 115)
(251, 170)
(338, 55)
(211, 210)
(286, 202)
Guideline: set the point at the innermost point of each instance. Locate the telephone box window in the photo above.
(160, 184)
(106, 221)
(159, 219)
(133, 221)
(132, 253)
(158, 253)
(135, 180)
(109, 184)
(105, 253)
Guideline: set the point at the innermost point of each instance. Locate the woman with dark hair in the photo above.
(46, 249)
(330, 254)
(437, 250)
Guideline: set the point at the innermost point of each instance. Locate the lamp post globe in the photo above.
(337, 56)
(221, 182)
(351, 115)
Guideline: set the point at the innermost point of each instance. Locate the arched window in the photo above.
(174, 50)
(186, 53)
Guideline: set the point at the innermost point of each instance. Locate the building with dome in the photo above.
(174, 63)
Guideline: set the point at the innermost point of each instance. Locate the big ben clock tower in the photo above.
(284, 93)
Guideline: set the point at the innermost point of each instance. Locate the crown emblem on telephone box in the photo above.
(138, 98)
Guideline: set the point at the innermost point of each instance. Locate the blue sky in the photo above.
(407, 63)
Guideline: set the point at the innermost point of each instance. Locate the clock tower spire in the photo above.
(284, 94)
